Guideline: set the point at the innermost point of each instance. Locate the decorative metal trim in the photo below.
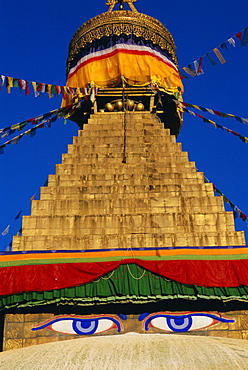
(122, 22)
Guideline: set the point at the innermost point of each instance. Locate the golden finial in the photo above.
(112, 3)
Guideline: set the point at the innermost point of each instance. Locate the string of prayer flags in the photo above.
(216, 125)
(40, 88)
(195, 68)
(16, 139)
(217, 113)
(7, 229)
(48, 118)
(236, 211)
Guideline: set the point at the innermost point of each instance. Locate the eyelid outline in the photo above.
(55, 319)
(147, 318)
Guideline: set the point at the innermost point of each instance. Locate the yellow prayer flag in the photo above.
(10, 83)
(15, 127)
(219, 55)
(195, 106)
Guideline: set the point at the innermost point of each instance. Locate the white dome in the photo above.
(131, 351)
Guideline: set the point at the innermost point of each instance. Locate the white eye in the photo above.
(184, 322)
(63, 326)
(81, 325)
(181, 324)
(201, 322)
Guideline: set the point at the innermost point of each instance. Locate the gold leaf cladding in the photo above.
(117, 23)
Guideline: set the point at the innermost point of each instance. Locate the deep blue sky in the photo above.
(34, 42)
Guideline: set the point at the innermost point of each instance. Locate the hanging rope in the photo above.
(124, 159)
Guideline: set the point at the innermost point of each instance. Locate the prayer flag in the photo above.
(183, 76)
(243, 216)
(198, 66)
(19, 232)
(15, 127)
(33, 132)
(239, 35)
(219, 55)
(22, 84)
(58, 89)
(7, 132)
(217, 113)
(15, 83)
(49, 88)
(236, 211)
(39, 87)
(15, 140)
(2, 79)
(190, 71)
(244, 40)
(211, 60)
(224, 45)
(53, 90)
(9, 84)
(8, 248)
(232, 42)
(200, 70)
(27, 90)
(5, 231)
(53, 119)
(36, 93)
(18, 215)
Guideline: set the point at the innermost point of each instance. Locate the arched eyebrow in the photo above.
(143, 316)
(209, 314)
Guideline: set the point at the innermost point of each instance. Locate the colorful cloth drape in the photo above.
(40, 271)
(104, 62)
(127, 284)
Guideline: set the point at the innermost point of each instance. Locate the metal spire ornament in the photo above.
(112, 3)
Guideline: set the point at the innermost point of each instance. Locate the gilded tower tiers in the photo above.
(156, 198)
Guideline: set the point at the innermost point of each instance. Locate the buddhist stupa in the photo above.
(127, 236)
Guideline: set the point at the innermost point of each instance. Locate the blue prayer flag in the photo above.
(244, 40)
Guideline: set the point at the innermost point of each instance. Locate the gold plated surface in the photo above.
(122, 22)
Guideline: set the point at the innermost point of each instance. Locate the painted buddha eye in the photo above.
(81, 325)
(181, 322)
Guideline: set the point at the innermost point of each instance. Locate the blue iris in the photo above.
(179, 324)
(85, 326)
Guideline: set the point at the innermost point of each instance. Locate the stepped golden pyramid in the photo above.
(156, 198)
(127, 236)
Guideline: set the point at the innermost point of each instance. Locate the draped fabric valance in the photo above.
(107, 61)
(50, 270)
(126, 284)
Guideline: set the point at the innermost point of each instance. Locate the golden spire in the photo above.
(112, 3)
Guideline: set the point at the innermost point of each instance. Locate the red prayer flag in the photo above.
(239, 35)
(27, 90)
(217, 113)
